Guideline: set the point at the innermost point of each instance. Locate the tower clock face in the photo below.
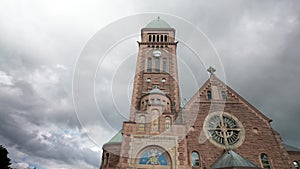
(224, 130)
(156, 53)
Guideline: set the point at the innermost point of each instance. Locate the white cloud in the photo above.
(20, 165)
(5, 79)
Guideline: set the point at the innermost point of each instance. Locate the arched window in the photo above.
(142, 123)
(195, 159)
(166, 38)
(142, 105)
(158, 101)
(168, 124)
(296, 164)
(149, 38)
(265, 161)
(209, 95)
(223, 95)
(155, 120)
(157, 38)
(149, 64)
(147, 103)
(153, 38)
(164, 68)
(157, 64)
(154, 156)
(161, 38)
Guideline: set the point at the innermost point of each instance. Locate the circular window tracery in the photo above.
(224, 130)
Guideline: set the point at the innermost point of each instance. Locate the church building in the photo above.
(216, 129)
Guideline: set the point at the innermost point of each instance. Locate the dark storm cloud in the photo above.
(36, 98)
(261, 59)
(47, 147)
(25, 118)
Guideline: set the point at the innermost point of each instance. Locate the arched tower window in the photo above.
(209, 95)
(265, 161)
(195, 159)
(155, 120)
(223, 93)
(142, 123)
(106, 160)
(296, 164)
(168, 124)
(157, 64)
(164, 68)
(149, 64)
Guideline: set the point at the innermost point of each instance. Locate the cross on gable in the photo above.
(211, 70)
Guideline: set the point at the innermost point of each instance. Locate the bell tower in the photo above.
(156, 70)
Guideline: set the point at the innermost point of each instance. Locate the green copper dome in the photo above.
(156, 91)
(158, 23)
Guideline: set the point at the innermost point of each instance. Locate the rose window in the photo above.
(224, 130)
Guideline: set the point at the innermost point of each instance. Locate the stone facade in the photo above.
(216, 120)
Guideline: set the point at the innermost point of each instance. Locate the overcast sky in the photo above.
(43, 125)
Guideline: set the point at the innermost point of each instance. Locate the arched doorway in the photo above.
(153, 157)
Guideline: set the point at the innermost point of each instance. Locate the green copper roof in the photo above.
(156, 91)
(232, 159)
(158, 23)
(117, 138)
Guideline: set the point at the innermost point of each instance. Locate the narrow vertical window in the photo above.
(296, 164)
(209, 95)
(149, 64)
(149, 38)
(147, 103)
(158, 101)
(155, 121)
(223, 95)
(168, 124)
(161, 38)
(157, 38)
(157, 64)
(152, 101)
(142, 123)
(265, 161)
(164, 68)
(106, 160)
(195, 159)
(166, 38)
(153, 38)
